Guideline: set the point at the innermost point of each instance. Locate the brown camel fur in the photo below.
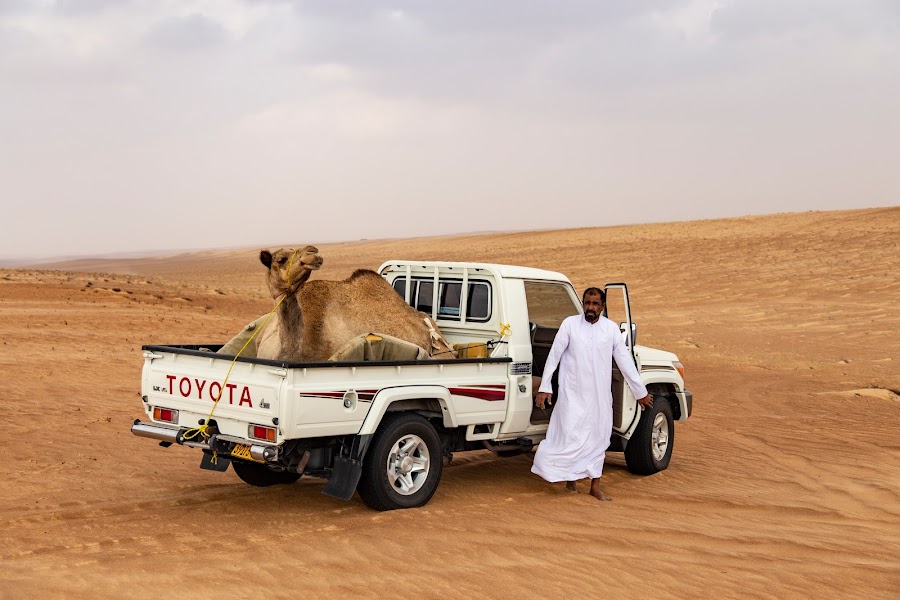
(316, 318)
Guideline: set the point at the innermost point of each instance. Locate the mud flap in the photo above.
(347, 470)
(345, 476)
(221, 463)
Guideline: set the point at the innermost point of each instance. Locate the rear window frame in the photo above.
(447, 314)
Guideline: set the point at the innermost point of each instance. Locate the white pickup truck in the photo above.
(386, 428)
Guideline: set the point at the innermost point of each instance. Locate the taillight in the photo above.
(680, 368)
(258, 432)
(165, 414)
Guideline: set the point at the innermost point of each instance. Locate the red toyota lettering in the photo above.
(200, 386)
(215, 395)
(230, 387)
(245, 397)
(181, 387)
(171, 379)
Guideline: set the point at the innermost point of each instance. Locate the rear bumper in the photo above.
(155, 431)
(173, 434)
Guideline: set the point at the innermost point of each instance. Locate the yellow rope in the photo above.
(191, 434)
(505, 330)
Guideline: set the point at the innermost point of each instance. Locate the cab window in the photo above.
(549, 304)
(421, 297)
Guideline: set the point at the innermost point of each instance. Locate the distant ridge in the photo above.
(75, 262)
(135, 262)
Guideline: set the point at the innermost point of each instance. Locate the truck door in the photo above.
(548, 303)
(618, 310)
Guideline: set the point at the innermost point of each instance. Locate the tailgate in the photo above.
(190, 384)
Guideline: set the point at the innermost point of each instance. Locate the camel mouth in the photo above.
(292, 284)
(312, 263)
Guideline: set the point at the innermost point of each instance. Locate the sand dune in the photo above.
(784, 483)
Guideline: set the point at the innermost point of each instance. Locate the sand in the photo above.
(784, 483)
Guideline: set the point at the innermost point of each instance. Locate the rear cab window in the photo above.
(479, 307)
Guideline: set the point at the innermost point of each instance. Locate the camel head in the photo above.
(289, 268)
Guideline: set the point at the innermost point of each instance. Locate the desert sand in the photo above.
(785, 482)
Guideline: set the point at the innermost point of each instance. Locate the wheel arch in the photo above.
(427, 400)
(667, 386)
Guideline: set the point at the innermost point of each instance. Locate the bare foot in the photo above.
(599, 495)
(570, 485)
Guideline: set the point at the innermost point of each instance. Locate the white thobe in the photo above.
(581, 422)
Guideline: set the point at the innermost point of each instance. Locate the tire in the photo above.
(650, 447)
(403, 466)
(262, 476)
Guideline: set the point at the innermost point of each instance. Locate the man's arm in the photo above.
(560, 343)
(625, 362)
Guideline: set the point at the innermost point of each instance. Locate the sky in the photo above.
(150, 125)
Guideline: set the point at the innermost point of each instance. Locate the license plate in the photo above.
(241, 451)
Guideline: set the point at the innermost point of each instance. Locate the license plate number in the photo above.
(241, 451)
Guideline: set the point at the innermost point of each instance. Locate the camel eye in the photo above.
(282, 260)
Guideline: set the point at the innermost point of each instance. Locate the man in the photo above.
(581, 423)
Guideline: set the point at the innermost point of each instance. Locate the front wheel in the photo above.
(650, 447)
(403, 466)
(262, 476)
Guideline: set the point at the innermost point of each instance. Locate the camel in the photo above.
(317, 318)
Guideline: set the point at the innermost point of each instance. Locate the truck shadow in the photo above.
(472, 478)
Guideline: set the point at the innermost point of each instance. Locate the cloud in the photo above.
(665, 108)
(82, 8)
(355, 115)
(12, 7)
(192, 32)
(773, 19)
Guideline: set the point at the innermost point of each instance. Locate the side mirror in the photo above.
(623, 327)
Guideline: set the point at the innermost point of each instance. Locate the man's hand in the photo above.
(543, 397)
(646, 401)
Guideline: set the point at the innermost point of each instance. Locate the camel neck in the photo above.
(291, 330)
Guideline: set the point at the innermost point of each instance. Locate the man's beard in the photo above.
(590, 315)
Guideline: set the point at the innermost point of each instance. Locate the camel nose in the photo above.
(314, 261)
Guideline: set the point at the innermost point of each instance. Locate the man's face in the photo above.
(593, 307)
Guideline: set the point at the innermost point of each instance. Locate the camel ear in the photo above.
(265, 257)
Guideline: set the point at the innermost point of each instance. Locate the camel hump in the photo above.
(364, 273)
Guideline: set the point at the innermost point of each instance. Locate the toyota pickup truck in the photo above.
(387, 428)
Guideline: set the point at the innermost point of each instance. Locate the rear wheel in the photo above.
(403, 465)
(261, 475)
(650, 447)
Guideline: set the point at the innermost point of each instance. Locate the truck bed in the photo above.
(311, 399)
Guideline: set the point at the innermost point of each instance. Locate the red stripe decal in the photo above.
(489, 395)
(366, 395)
(501, 386)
